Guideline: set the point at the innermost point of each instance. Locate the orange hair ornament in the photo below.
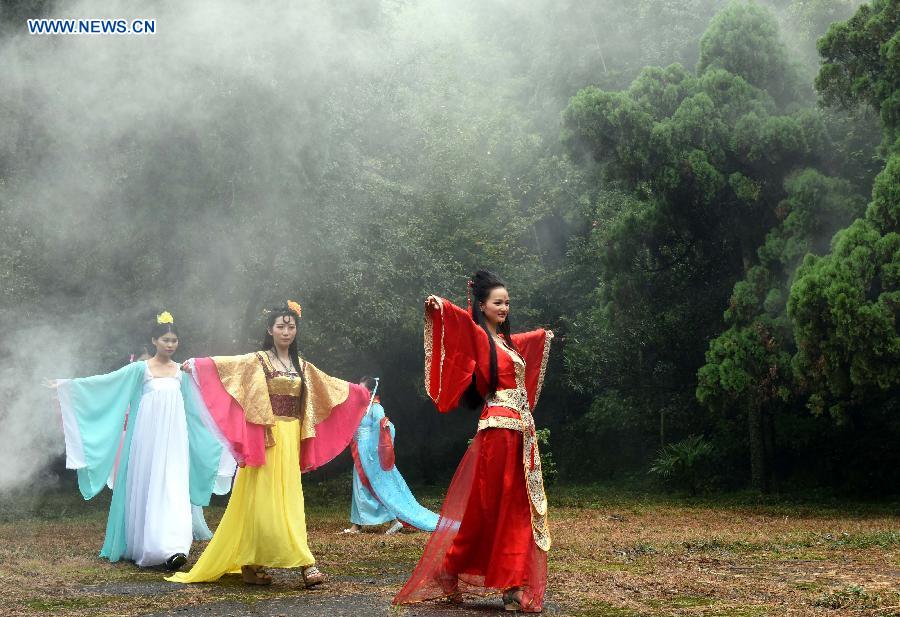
(295, 306)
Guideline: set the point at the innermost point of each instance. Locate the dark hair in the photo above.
(483, 282)
(369, 383)
(269, 342)
(160, 329)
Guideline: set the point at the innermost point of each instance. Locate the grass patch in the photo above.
(638, 499)
(854, 597)
(682, 602)
(795, 547)
(604, 609)
(616, 554)
(739, 611)
(79, 602)
(593, 566)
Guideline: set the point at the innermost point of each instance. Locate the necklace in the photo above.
(287, 370)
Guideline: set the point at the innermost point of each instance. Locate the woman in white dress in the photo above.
(169, 460)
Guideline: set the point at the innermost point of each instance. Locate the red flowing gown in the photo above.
(492, 534)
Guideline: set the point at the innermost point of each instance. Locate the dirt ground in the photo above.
(615, 554)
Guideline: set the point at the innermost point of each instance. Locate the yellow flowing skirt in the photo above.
(264, 523)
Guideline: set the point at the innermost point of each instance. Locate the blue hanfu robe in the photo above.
(390, 497)
(94, 412)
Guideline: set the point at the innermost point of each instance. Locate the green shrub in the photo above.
(684, 464)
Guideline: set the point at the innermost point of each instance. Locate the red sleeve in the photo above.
(246, 441)
(385, 445)
(452, 342)
(534, 347)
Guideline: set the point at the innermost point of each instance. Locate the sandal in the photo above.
(312, 576)
(255, 575)
(514, 600)
(450, 585)
(509, 600)
(455, 598)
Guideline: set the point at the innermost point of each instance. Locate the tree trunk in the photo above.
(769, 441)
(662, 428)
(759, 461)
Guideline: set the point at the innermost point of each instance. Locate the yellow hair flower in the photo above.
(165, 317)
(294, 306)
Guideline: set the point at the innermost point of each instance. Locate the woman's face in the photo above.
(284, 330)
(496, 307)
(166, 345)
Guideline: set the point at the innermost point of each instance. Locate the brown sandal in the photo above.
(255, 575)
(312, 576)
(455, 598)
(514, 599)
(450, 585)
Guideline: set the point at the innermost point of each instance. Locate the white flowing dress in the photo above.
(157, 499)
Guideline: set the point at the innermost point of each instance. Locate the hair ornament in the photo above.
(469, 285)
(295, 306)
(165, 317)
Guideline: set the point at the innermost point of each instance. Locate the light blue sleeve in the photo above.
(377, 415)
(94, 410)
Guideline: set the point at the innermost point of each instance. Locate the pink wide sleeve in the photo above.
(226, 418)
(335, 426)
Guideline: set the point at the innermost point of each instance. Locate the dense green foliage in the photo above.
(653, 178)
(715, 188)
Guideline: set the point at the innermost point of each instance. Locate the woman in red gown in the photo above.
(492, 536)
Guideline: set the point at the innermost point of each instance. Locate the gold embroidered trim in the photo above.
(548, 336)
(443, 350)
(515, 399)
(429, 349)
(501, 422)
(534, 481)
(429, 352)
(244, 379)
(285, 386)
(264, 358)
(323, 394)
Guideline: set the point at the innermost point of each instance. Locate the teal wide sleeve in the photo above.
(94, 410)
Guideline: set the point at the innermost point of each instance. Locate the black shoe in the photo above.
(176, 561)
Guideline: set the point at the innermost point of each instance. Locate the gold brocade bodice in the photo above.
(285, 389)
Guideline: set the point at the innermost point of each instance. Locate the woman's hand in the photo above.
(433, 302)
(187, 368)
(51, 383)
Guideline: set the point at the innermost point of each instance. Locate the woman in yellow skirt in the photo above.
(278, 415)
